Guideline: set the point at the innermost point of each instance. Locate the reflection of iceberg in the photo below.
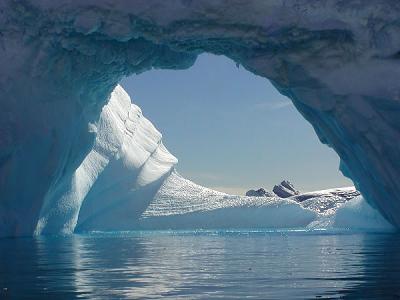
(128, 182)
(191, 266)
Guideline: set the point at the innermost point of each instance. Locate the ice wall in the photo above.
(117, 179)
(337, 60)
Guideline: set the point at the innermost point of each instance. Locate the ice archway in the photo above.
(337, 60)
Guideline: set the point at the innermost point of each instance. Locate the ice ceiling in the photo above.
(338, 61)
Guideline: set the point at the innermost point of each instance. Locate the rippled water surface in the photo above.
(202, 265)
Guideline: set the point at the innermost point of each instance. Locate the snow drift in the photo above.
(182, 204)
(337, 61)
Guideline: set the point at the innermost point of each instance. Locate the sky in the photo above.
(231, 130)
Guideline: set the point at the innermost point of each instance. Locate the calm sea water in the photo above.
(202, 265)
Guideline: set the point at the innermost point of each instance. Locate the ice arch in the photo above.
(337, 61)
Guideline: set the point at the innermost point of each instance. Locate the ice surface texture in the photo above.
(60, 60)
(117, 179)
(182, 204)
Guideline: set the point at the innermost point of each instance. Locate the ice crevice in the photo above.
(63, 139)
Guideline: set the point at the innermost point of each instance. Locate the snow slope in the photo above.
(118, 177)
(182, 204)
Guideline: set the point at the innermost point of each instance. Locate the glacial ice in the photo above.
(182, 204)
(126, 165)
(336, 60)
(128, 181)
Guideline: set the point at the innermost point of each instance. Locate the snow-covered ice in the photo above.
(60, 61)
(128, 181)
(182, 204)
(118, 177)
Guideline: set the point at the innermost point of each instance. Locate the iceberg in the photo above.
(62, 159)
(128, 181)
(181, 204)
(117, 179)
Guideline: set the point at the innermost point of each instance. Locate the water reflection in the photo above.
(380, 278)
(201, 266)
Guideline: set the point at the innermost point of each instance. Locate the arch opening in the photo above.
(231, 130)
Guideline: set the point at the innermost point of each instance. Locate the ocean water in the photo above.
(202, 265)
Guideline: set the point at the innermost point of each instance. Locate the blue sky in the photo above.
(231, 130)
